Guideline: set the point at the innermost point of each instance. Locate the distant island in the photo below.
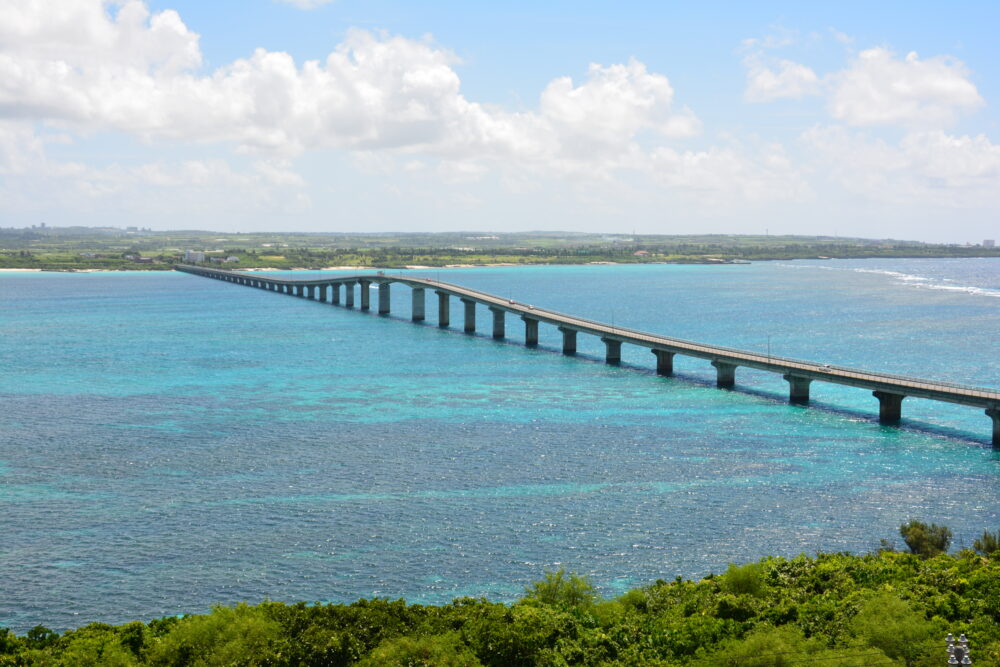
(108, 249)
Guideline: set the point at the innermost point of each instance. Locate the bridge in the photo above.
(889, 389)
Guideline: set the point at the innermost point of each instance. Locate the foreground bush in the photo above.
(834, 610)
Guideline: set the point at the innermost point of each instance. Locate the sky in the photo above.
(864, 119)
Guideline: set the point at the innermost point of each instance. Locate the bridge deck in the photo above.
(883, 382)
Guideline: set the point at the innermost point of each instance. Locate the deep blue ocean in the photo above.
(168, 441)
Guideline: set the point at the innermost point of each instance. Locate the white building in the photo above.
(194, 256)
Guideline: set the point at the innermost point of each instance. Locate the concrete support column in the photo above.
(335, 294)
(418, 304)
(530, 331)
(664, 362)
(299, 291)
(322, 292)
(383, 298)
(349, 294)
(889, 407)
(613, 351)
(569, 340)
(499, 331)
(311, 291)
(366, 300)
(994, 414)
(798, 388)
(725, 374)
(444, 309)
(470, 315)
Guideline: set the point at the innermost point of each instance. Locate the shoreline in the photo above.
(423, 267)
(408, 267)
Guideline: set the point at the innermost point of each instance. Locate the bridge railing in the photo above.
(736, 352)
(654, 339)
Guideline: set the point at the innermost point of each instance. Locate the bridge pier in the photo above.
(612, 351)
(322, 292)
(384, 300)
(311, 291)
(366, 296)
(335, 293)
(889, 406)
(569, 340)
(798, 388)
(664, 362)
(530, 331)
(418, 304)
(470, 315)
(725, 377)
(444, 309)
(994, 414)
(349, 294)
(299, 291)
(499, 331)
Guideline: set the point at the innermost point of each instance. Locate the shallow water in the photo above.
(168, 441)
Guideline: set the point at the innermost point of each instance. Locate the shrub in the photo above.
(892, 625)
(987, 544)
(925, 540)
(431, 651)
(744, 580)
(564, 592)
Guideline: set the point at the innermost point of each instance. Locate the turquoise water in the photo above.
(168, 441)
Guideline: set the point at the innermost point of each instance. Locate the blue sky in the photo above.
(862, 119)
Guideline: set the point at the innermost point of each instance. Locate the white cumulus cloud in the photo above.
(100, 65)
(881, 89)
(786, 79)
(925, 166)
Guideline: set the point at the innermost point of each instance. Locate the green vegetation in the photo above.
(841, 610)
(925, 540)
(79, 248)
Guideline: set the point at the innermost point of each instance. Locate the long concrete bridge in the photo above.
(889, 389)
